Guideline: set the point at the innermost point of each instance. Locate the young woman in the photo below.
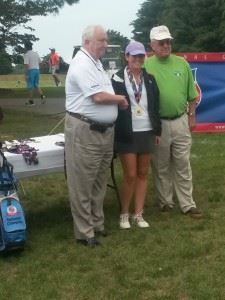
(136, 132)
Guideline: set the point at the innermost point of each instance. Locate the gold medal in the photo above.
(138, 111)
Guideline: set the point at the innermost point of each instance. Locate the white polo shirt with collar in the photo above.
(85, 78)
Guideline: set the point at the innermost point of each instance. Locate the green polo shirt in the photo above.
(175, 81)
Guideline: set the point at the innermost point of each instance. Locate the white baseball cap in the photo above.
(160, 33)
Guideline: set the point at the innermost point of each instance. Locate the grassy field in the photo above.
(14, 86)
(177, 258)
(18, 81)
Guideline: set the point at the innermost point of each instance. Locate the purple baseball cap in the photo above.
(135, 48)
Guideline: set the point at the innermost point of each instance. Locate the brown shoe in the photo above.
(194, 212)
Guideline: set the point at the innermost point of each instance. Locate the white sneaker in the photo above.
(124, 221)
(139, 221)
(43, 99)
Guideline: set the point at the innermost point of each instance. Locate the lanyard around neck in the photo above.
(137, 91)
(92, 59)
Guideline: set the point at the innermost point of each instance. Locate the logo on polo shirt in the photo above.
(177, 73)
(94, 86)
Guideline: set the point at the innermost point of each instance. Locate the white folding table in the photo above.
(50, 157)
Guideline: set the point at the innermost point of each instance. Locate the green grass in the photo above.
(52, 92)
(18, 81)
(14, 86)
(177, 258)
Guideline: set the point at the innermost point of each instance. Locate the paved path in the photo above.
(52, 105)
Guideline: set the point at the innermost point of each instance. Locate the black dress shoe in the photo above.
(90, 242)
(102, 233)
(166, 208)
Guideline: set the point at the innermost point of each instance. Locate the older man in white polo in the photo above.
(92, 109)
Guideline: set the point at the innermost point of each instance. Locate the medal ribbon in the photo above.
(137, 92)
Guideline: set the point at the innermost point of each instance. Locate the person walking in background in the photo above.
(32, 73)
(136, 131)
(171, 163)
(92, 108)
(54, 66)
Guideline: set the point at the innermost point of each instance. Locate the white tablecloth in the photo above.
(50, 157)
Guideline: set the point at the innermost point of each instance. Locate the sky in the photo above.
(63, 31)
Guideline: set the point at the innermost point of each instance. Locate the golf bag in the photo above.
(12, 220)
(8, 181)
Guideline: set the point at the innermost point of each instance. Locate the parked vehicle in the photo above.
(112, 60)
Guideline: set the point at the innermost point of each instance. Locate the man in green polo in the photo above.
(171, 163)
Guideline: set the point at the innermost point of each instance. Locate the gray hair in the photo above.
(88, 32)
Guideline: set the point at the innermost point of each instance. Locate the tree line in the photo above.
(197, 26)
(14, 15)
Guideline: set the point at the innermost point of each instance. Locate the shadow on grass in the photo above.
(52, 216)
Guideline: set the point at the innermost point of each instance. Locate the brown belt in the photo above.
(94, 125)
(173, 117)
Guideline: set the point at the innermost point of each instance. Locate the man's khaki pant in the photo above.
(171, 164)
(88, 156)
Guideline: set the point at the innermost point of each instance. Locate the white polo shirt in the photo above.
(32, 59)
(85, 78)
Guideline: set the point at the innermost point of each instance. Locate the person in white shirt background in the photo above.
(32, 73)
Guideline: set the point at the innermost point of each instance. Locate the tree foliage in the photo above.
(14, 15)
(116, 38)
(195, 25)
(5, 63)
(148, 16)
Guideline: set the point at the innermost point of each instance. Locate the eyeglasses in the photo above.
(163, 42)
(136, 55)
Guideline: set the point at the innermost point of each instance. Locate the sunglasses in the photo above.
(163, 42)
(139, 56)
(136, 55)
